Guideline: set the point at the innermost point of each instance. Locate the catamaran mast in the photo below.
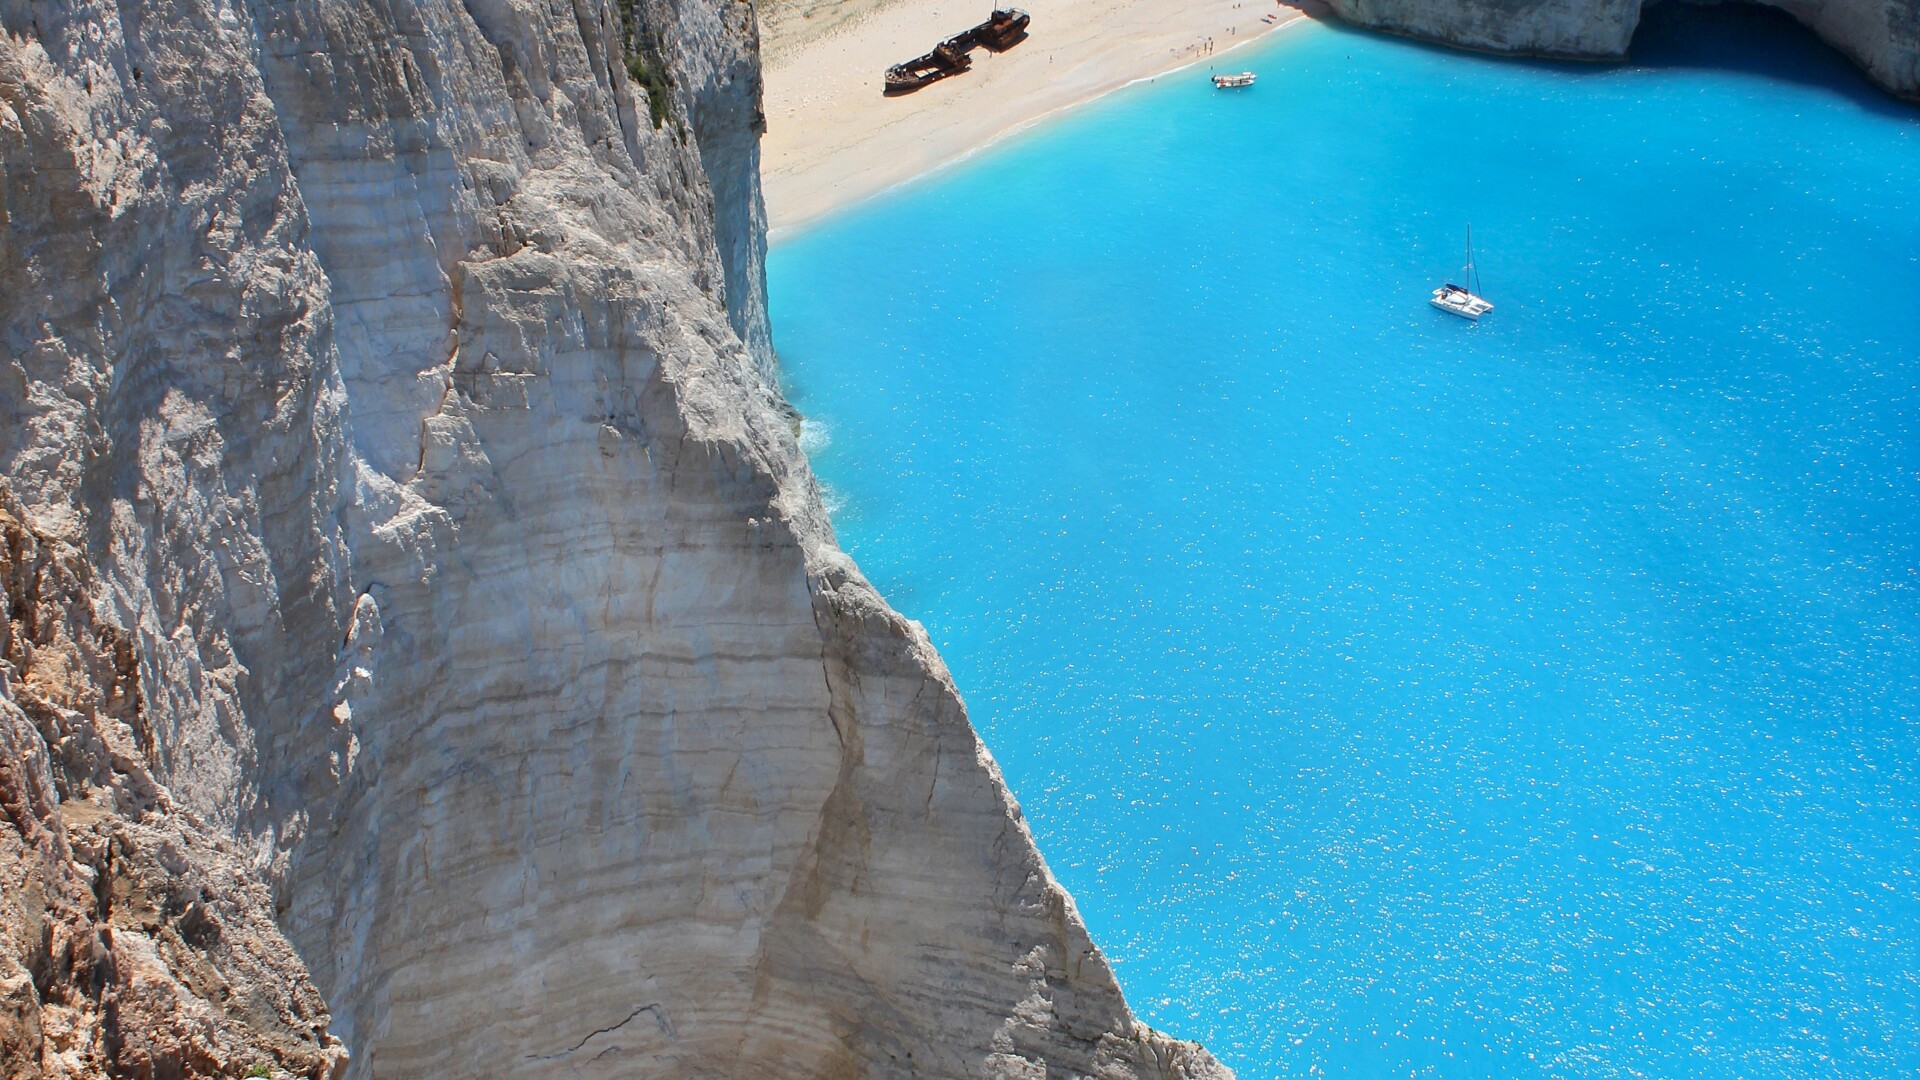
(1472, 276)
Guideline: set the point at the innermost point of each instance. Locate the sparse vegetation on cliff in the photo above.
(645, 66)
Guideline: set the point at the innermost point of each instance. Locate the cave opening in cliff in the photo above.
(1751, 39)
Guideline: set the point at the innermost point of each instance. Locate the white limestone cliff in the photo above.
(1882, 36)
(397, 394)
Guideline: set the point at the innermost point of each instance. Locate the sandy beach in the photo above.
(833, 138)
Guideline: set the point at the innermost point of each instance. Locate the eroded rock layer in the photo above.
(134, 940)
(392, 378)
(1882, 36)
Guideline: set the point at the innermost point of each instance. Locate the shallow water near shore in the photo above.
(1400, 696)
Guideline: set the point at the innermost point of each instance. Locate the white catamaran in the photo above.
(1464, 300)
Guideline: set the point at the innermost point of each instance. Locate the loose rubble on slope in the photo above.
(134, 940)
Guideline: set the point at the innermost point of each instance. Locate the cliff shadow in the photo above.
(1749, 39)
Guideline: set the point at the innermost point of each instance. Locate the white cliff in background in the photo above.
(398, 391)
(1882, 36)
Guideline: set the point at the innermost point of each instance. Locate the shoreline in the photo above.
(833, 140)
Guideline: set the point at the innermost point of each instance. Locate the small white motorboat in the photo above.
(1463, 300)
(1238, 78)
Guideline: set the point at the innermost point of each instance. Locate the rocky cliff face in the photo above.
(1578, 29)
(409, 553)
(134, 939)
(1882, 36)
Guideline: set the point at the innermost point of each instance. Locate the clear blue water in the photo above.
(1399, 696)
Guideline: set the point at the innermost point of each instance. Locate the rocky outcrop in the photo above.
(1882, 36)
(393, 378)
(134, 939)
(1573, 29)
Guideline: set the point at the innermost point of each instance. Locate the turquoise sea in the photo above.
(1401, 697)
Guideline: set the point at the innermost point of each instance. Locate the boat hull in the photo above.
(1462, 303)
(1007, 28)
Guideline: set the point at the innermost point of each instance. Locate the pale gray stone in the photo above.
(406, 394)
(1882, 36)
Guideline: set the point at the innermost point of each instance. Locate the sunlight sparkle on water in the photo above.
(1400, 696)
